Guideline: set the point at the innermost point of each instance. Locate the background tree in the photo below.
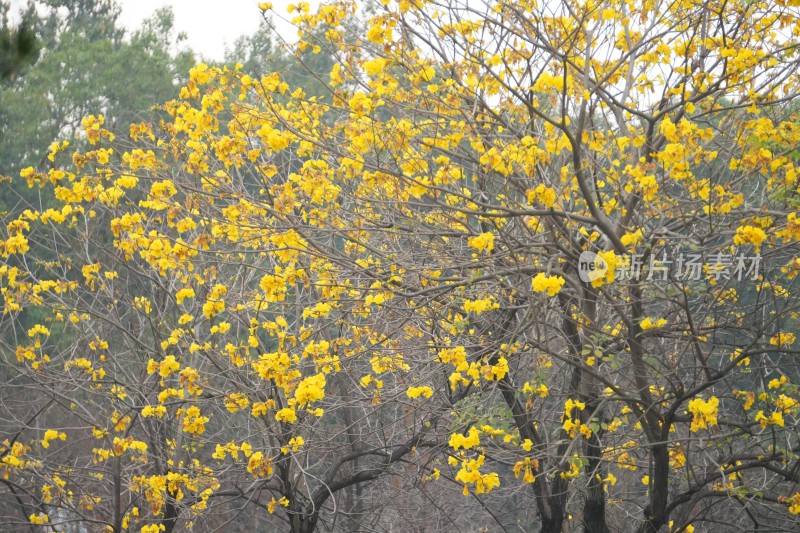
(86, 66)
(18, 45)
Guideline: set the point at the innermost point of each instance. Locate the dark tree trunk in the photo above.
(303, 523)
(553, 525)
(655, 514)
(594, 510)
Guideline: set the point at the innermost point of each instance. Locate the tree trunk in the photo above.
(655, 514)
(303, 523)
(594, 510)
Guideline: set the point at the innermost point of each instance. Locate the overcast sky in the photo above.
(209, 24)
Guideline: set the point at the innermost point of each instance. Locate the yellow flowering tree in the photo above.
(530, 252)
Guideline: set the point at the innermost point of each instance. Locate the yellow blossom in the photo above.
(549, 284)
(286, 415)
(704, 412)
(415, 392)
(649, 323)
(483, 242)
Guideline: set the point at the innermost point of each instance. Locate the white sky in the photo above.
(210, 25)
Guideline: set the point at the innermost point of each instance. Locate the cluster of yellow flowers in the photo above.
(480, 306)
(548, 284)
(750, 235)
(704, 412)
(483, 242)
(52, 434)
(416, 392)
(649, 323)
(470, 474)
(194, 423)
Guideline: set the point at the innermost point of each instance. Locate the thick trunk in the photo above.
(302, 523)
(170, 515)
(553, 525)
(655, 514)
(594, 510)
(117, 496)
(352, 494)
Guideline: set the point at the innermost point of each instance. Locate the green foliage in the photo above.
(19, 46)
(88, 66)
